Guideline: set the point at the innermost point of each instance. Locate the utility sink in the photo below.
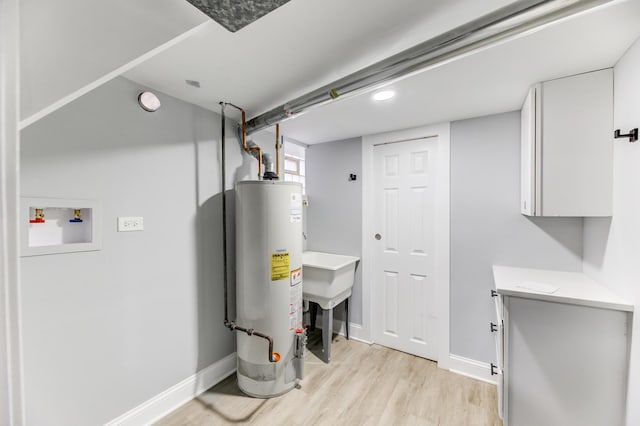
(327, 278)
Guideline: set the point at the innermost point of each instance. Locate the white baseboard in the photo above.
(177, 395)
(356, 331)
(471, 368)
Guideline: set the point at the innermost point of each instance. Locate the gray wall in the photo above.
(487, 227)
(106, 330)
(334, 214)
(64, 44)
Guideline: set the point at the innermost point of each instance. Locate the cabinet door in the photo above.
(528, 154)
(499, 341)
(564, 364)
(498, 335)
(577, 145)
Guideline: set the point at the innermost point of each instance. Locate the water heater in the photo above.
(269, 286)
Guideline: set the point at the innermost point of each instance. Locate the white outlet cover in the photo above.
(129, 224)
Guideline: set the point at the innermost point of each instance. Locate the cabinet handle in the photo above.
(493, 369)
(494, 327)
(494, 293)
(632, 135)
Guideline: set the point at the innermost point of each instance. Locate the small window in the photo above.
(294, 167)
(291, 165)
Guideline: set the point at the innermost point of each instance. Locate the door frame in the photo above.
(11, 385)
(442, 265)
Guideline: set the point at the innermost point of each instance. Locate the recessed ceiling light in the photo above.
(383, 95)
(148, 101)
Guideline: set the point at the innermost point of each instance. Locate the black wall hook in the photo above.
(632, 135)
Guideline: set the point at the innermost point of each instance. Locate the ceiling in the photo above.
(68, 44)
(298, 47)
(492, 81)
(301, 46)
(304, 44)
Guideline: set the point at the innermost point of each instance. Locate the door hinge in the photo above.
(494, 327)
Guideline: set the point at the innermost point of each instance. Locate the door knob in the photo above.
(378, 236)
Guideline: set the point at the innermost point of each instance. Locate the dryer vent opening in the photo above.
(235, 15)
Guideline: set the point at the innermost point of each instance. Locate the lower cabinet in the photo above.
(497, 329)
(560, 364)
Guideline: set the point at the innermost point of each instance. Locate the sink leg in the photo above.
(313, 313)
(327, 333)
(346, 315)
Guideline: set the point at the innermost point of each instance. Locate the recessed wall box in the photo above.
(57, 225)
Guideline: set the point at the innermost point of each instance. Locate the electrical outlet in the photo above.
(128, 224)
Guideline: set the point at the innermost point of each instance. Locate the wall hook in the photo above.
(632, 135)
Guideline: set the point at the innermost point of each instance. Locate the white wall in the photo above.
(334, 214)
(612, 246)
(67, 44)
(487, 227)
(104, 331)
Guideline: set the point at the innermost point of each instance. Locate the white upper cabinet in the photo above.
(567, 146)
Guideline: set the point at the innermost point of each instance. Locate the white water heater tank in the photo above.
(269, 285)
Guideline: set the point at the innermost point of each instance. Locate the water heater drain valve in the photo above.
(300, 343)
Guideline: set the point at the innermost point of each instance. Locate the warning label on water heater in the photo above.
(295, 214)
(296, 276)
(296, 204)
(295, 300)
(280, 268)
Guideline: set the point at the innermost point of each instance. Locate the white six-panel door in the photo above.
(404, 288)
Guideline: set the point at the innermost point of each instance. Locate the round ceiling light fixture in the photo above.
(383, 95)
(149, 101)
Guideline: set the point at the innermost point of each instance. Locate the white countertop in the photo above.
(572, 287)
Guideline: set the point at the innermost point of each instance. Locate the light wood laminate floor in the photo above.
(363, 385)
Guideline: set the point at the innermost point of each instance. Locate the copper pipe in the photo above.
(244, 139)
(278, 149)
(272, 356)
(252, 148)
